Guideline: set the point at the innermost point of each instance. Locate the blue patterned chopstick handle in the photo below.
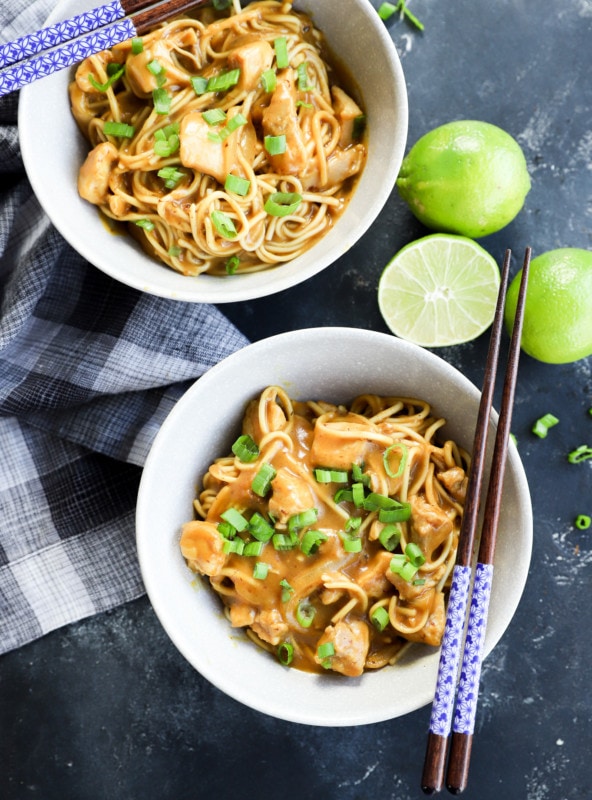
(458, 600)
(12, 78)
(468, 686)
(53, 35)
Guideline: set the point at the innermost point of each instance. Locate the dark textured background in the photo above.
(108, 709)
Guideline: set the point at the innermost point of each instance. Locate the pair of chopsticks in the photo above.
(59, 46)
(449, 683)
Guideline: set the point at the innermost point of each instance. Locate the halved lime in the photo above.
(439, 290)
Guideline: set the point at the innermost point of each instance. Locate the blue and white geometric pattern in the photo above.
(468, 687)
(53, 35)
(443, 705)
(12, 78)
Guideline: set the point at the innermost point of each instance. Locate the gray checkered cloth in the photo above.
(88, 371)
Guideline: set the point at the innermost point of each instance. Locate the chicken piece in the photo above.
(331, 449)
(351, 641)
(216, 158)
(94, 175)
(432, 631)
(118, 205)
(241, 615)
(341, 164)
(373, 577)
(252, 59)
(455, 481)
(280, 118)
(202, 546)
(430, 525)
(291, 494)
(347, 111)
(142, 81)
(270, 626)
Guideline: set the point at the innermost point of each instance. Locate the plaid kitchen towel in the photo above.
(88, 370)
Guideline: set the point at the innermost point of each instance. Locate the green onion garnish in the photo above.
(120, 129)
(303, 84)
(311, 541)
(353, 524)
(285, 653)
(214, 116)
(375, 501)
(223, 81)
(259, 528)
(237, 185)
(351, 544)
(325, 653)
(542, 425)
(223, 224)
(583, 522)
(280, 45)
(268, 80)
(379, 618)
(261, 483)
(359, 126)
(287, 590)
(102, 87)
(402, 6)
(260, 570)
(386, 10)
(359, 475)
(358, 494)
(171, 176)
(200, 84)
(305, 613)
(581, 453)
(415, 555)
(343, 495)
(245, 449)
(302, 520)
(226, 530)
(232, 265)
(402, 459)
(162, 101)
(253, 549)
(146, 224)
(156, 68)
(400, 513)
(330, 475)
(389, 537)
(174, 251)
(275, 145)
(283, 541)
(235, 518)
(234, 546)
(137, 46)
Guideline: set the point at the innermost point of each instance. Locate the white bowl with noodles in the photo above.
(54, 150)
(333, 364)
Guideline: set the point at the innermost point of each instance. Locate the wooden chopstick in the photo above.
(59, 46)
(444, 699)
(466, 703)
(458, 598)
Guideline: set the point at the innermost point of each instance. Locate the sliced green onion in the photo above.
(343, 495)
(261, 483)
(285, 653)
(303, 84)
(103, 87)
(280, 45)
(386, 10)
(311, 541)
(280, 204)
(214, 116)
(375, 501)
(400, 513)
(137, 46)
(353, 524)
(284, 541)
(166, 147)
(397, 562)
(305, 613)
(303, 519)
(174, 251)
(275, 145)
(260, 570)
(359, 126)
(237, 185)
(583, 522)
(542, 425)
(120, 129)
(236, 122)
(415, 555)
(223, 81)
(351, 544)
(200, 84)
(146, 224)
(325, 653)
(253, 549)
(171, 176)
(234, 546)
(162, 101)
(232, 265)
(268, 80)
(330, 475)
(402, 6)
(287, 590)
(259, 528)
(379, 618)
(226, 530)
(156, 68)
(235, 518)
(389, 537)
(223, 224)
(358, 494)
(402, 459)
(581, 453)
(359, 475)
(245, 449)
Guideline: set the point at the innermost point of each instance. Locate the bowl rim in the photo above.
(125, 261)
(151, 570)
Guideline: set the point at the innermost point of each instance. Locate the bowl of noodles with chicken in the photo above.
(225, 154)
(298, 520)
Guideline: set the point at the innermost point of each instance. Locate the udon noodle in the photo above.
(330, 532)
(223, 142)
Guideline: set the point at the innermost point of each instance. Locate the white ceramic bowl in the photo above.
(332, 364)
(53, 150)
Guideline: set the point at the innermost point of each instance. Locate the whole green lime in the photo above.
(465, 177)
(558, 308)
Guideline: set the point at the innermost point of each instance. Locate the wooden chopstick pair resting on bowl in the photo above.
(447, 715)
(65, 43)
